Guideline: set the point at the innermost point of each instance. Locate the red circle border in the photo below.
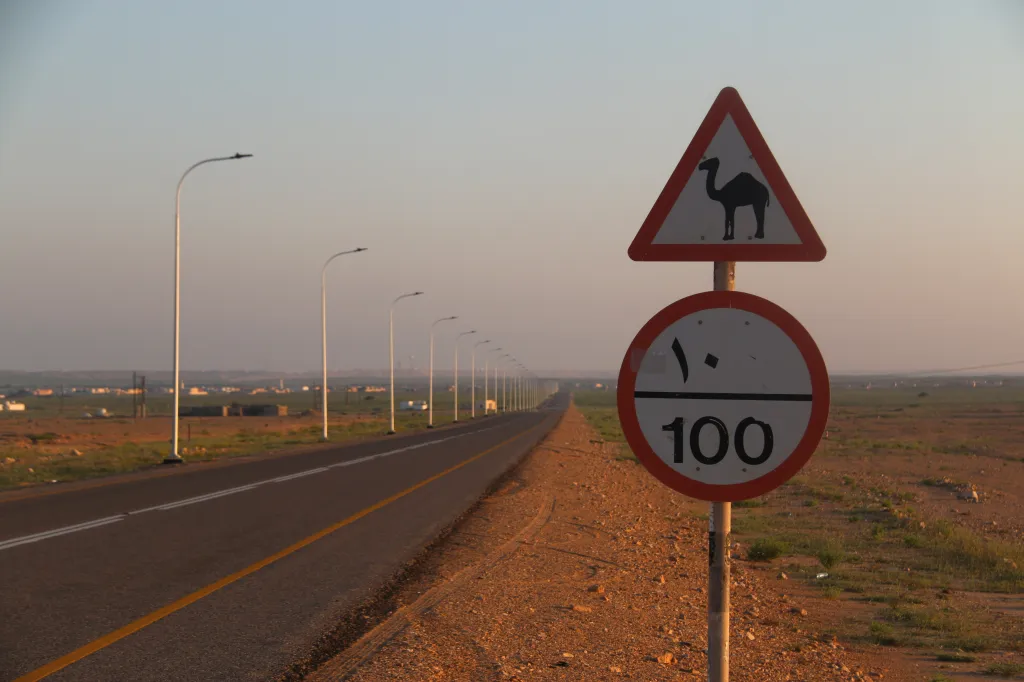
(820, 396)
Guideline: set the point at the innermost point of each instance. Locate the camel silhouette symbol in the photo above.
(742, 190)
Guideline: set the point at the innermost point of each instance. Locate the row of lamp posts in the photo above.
(523, 389)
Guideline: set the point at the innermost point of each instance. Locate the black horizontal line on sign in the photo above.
(691, 395)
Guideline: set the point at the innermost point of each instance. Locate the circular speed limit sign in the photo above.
(723, 396)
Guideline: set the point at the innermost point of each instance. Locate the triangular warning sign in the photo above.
(727, 200)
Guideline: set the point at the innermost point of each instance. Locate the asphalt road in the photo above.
(89, 570)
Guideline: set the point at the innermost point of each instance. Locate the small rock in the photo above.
(750, 635)
(614, 669)
(582, 609)
(9, 460)
(567, 655)
(783, 576)
(661, 579)
(75, 453)
(596, 588)
(667, 658)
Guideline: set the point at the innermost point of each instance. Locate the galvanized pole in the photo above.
(173, 457)
(391, 353)
(430, 404)
(472, 389)
(719, 528)
(323, 339)
(455, 387)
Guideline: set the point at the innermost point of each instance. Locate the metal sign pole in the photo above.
(719, 527)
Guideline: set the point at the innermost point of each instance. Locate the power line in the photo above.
(932, 372)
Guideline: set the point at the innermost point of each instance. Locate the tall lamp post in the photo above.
(472, 385)
(323, 333)
(173, 457)
(518, 402)
(504, 376)
(430, 408)
(391, 346)
(487, 379)
(472, 331)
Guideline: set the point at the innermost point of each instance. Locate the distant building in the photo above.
(417, 405)
(43, 392)
(11, 406)
(305, 388)
(99, 391)
(487, 406)
(375, 389)
(195, 390)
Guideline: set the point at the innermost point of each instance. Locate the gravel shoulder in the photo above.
(582, 567)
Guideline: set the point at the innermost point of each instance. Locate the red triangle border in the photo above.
(728, 102)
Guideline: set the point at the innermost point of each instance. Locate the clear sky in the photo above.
(500, 156)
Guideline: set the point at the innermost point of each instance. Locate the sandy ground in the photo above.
(972, 447)
(583, 567)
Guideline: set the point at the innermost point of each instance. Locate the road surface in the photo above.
(232, 572)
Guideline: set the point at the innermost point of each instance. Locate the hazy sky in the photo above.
(500, 156)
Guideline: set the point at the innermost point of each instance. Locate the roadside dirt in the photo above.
(583, 567)
(939, 455)
(59, 435)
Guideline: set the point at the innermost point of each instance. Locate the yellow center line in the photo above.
(133, 627)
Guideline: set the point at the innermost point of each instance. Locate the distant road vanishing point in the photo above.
(231, 572)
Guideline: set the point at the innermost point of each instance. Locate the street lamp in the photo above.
(504, 375)
(472, 331)
(174, 457)
(323, 333)
(486, 364)
(430, 417)
(472, 390)
(517, 404)
(391, 345)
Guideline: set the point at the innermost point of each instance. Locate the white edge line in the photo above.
(28, 539)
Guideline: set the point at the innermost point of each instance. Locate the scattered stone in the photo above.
(750, 635)
(596, 588)
(9, 460)
(783, 576)
(614, 669)
(582, 609)
(661, 579)
(75, 453)
(567, 655)
(667, 658)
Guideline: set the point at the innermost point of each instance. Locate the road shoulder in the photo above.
(581, 566)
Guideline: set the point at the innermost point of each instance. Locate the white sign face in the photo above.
(727, 199)
(745, 386)
(723, 396)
